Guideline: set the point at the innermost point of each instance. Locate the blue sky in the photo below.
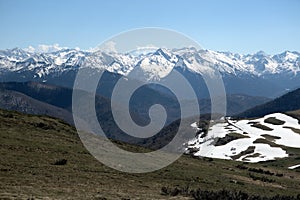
(230, 25)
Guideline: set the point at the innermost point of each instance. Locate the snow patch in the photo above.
(294, 167)
(254, 137)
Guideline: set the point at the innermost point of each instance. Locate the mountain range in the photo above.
(41, 83)
(256, 74)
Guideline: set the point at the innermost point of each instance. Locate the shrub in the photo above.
(60, 162)
(241, 167)
(274, 121)
(184, 191)
(261, 178)
(261, 171)
(279, 174)
(263, 127)
(199, 194)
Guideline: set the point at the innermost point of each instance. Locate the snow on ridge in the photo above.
(294, 166)
(161, 61)
(268, 142)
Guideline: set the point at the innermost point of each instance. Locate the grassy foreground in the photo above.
(43, 158)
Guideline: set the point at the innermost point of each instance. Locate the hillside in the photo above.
(271, 137)
(12, 100)
(62, 97)
(285, 103)
(55, 95)
(43, 157)
(236, 103)
(141, 101)
(295, 114)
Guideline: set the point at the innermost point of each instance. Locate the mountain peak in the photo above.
(261, 53)
(163, 52)
(65, 59)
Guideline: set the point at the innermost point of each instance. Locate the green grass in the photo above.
(249, 150)
(266, 141)
(31, 145)
(260, 126)
(274, 121)
(295, 114)
(296, 130)
(270, 137)
(237, 135)
(228, 138)
(255, 155)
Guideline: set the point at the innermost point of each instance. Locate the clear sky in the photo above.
(226, 25)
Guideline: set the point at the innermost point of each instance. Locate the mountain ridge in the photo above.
(16, 101)
(256, 74)
(285, 103)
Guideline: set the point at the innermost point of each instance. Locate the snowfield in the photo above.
(252, 140)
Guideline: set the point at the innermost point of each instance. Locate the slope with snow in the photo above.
(255, 140)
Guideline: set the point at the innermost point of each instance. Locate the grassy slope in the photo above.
(29, 145)
(284, 103)
(295, 114)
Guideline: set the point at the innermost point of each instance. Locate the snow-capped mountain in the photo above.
(39, 64)
(256, 74)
